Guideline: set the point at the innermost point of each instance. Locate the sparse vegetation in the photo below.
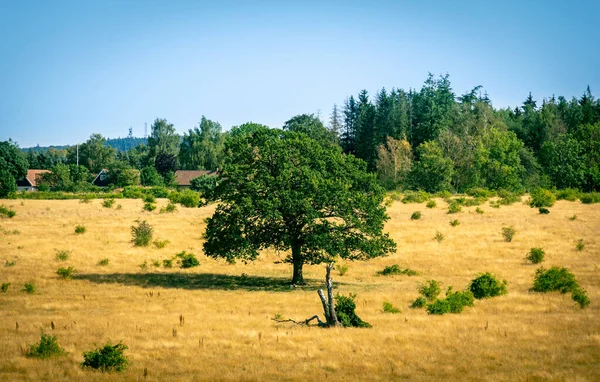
(420, 302)
(345, 307)
(149, 207)
(487, 285)
(431, 204)
(415, 215)
(561, 280)
(454, 207)
(579, 245)
(160, 243)
(396, 270)
(535, 255)
(389, 308)
(439, 237)
(107, 358)
(508, 233)
(29, 287)
(430, 290)
(62, 255)
(46, 348)
(342, 268)
(66, 273)
(104, 261)
(454, 222)
(573, 217)
(478, 210)
(80, 229)
(141, 235)
(7, 212)
(4, 287)
(187, 260)
(108, 203)
(171, 207)
(542, 198)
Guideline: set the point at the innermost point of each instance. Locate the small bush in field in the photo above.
(574, 217)
(66, 273)
(108, 203)
(439, 237)
(171, 207)
(7, 212)
(430, 290)
(508, 233)
(62, 255)
(389, 308)
(345, 311)
(149, 198)
(80, 229)
(46, 348)
(415, 215)
(420, 302)
(342, 268)
(568, 194)
(160, 243)
(396, 270)
(168, 263)
(454, 207)
(10, 263)
(579, 295)
(104, 261)
(149, 207)
(86, 199)
(535, 255)
(487, 285)
(156, 263)
(416, 197)
(579, 245)
(187, 260)
(4, 287)
(543, 211)
(143, 266)
(478, 210)
(119, 206)
(141, 235)
(431, 204)
(29, 287)
(108, 358)
(454, 222)
(454, 302)
(590, 198)
(561, 280)
(542, 198)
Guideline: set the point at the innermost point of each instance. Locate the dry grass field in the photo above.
(228, 334)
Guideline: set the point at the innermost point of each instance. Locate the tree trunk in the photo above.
(298, 278)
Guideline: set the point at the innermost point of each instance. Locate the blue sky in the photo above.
(72, 68)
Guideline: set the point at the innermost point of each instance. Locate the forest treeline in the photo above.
(429, 139)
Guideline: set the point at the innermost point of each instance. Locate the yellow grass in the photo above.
(228, 333)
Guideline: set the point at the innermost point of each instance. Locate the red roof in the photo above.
(184, 177)
(33, 176)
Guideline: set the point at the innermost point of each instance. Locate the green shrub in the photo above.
(444, 194)
(156, 263)
(186, 198)
(454, 222)
(149, 198)
(420, 302)
(568, 194)
(574, 217)
(66, 273)
(430, 290)
(542, 198)
(85, 199)
(561, 280)
(160, 243)
(507, 198)
(141, 235)
(169, 208)
(345, 311)
(535, 255)
(149, 207)
(389, 308)
(544, 210)
(46, 348)
(579, 295)
(396, 270)
(487, 285)
(119, 206)
(168, 263)
(7, 212)
(454, 302)
(508, 233)
(108, 358)
(454, 208)
(10, 263)
(431, 204)
(144, 265)
(104, 261)
(80, 229)
(108, 203)
(62, 255)
(29, 287)
(342, 268)
(187, 260)
(478, 210)
(415, 215)
(439, 237)
(4, 287)
(481, 193)
(579, 245)
(438, 307)
(416, 197)
(590, 198)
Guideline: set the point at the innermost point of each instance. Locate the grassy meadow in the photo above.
(213, 322)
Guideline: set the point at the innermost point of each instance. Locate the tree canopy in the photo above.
(13, 166)
(283, 190)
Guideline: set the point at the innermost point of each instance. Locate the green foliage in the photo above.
(186, 198)
(171, 207)
(202, 147)
(62, 255)
(187, 260)
(13, 166)
(439, 237)
(66, 273)
(415, 215)
(168, 263)
(143, 266)
(29, 287)
(420, 302)
(107, 358)
(46, 348)
(431, 204)
(416, 197)
(4, 287)
(508, 233)
(543, 211)
(108, 203)
(573, 217)
(150, 177)
(479, 210)
(345, 311)
(454, 223)
(498, 161)
(564, 161)
(430, 290)
(542, 198)
(80, 229)
(104, 261)
(487, 285)
(454, 207)
(396, 270)
(535, 255)
(433, 171)
(10, 263)
(149, 207)
(590, 198)
(389, 308)
(160, 243)
(149, 198)
(561, 280)
(7, 212)
(579, 245)
(507, 198)
(141, 235)
(569, 194)
(342, 268)
(483, 193)
(454, 302)
(580, 296)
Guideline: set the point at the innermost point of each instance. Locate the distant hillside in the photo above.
(120, 144)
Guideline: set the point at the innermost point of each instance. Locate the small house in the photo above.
(30, 182)
(183, 178)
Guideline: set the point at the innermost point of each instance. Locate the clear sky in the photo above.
(72, 68)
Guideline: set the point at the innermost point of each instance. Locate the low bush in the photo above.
(430, 290)
(454, 302)
(29, 287)
(561, 280)
(108, 358)
(439, 237)
(168, 263)
(445, 194)
(568, 194)
(573, 217)
(46, 348)
(590, 198)
(108, 203)
(487, 285)
(149, 207)
(579, 295)
(389, 308)
(342, 268)
(104, 261)
(7, 212)
(454, 223)
(431, 204)
(160, 243)
(141, 235)
(454, 207)
(579, 245)
(420, 302)
(481, 193)
(186, 198)
(416, 197)
(80, 229)
(508, 233)
(396, 270)
(415, 215)
(4, 287)
(62, 255)
(66, 273)
(543, 211)
(542, 198)
(187, 260)
(169, 208)
(535, 255)
(149, 198)
(478, 210)
(508, 198)
(345, 310)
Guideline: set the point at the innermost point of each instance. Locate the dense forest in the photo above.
(429, 139)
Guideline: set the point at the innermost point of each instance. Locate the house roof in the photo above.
(33, 176)
(184, 177)
(103, 171)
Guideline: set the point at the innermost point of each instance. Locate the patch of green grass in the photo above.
(46, 348)
(108, 203)
(80, 229)
(389, 308)
(415, 215)
(29, 287)
(66, 273)
(4, 287)
(508, 233)
(579, 245)
(160, 243)
(431, 204)
(7, 212)
(62, 255)
(396, 270)
(454, 222)
(104, 261)
(439, 237)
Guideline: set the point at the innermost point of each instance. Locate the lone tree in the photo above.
(283, 190)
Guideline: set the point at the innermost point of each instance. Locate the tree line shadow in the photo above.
(201, 281)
